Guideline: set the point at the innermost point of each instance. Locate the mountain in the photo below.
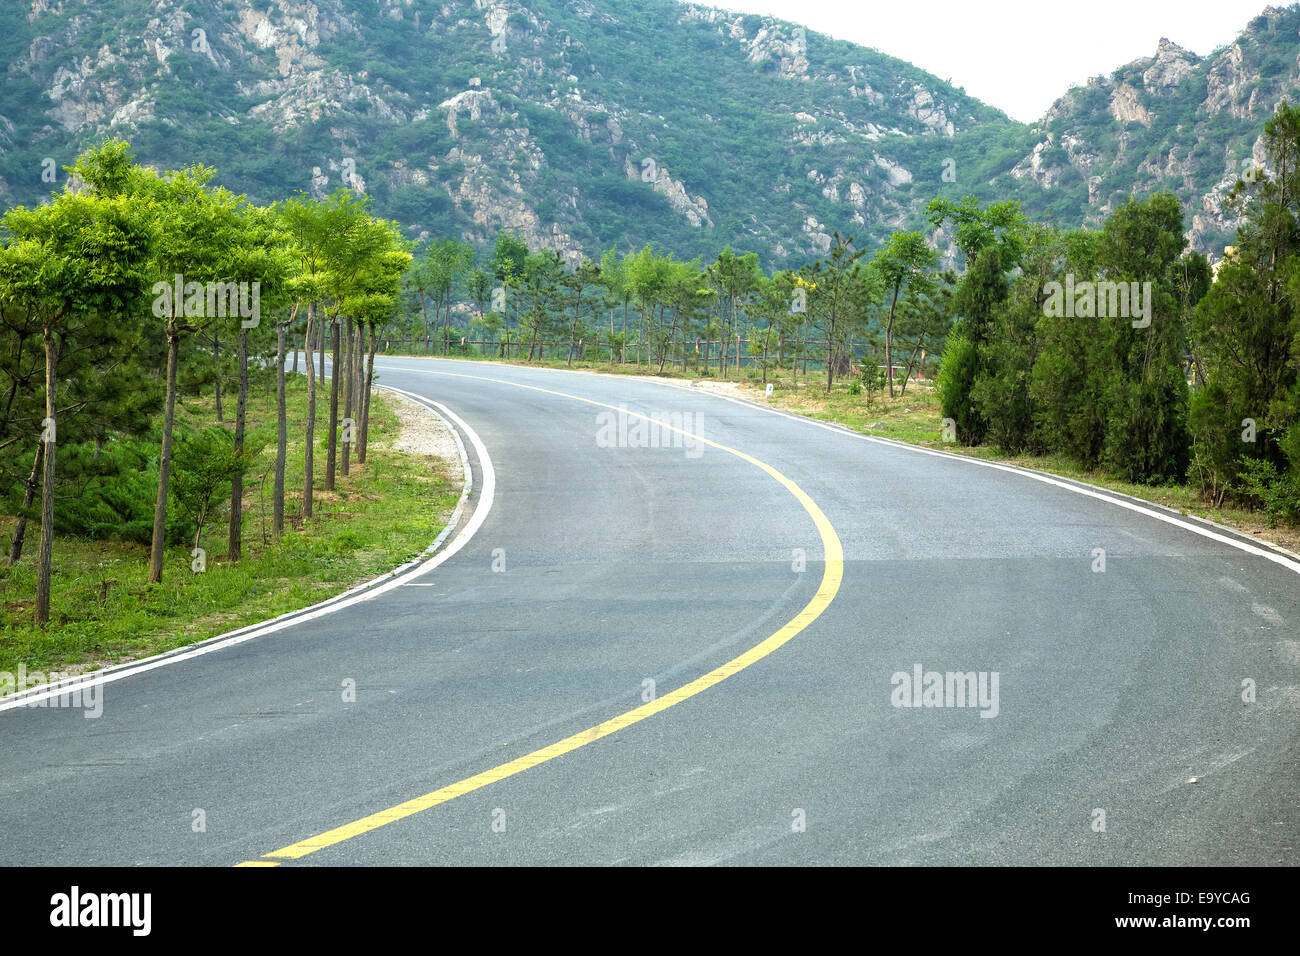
(581, 126)
(1172, 121)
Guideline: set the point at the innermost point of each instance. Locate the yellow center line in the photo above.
(832, 575)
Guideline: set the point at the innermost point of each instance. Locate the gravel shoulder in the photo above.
(425, 435)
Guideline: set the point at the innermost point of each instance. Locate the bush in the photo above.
(1277, 494)
(115, 491)
(957, 376)
(203, 465)
(1216, 441)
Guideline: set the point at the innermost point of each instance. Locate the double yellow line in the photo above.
(832, 575)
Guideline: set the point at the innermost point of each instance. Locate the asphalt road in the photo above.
(597, 570)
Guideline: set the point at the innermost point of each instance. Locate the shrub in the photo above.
(957, 376)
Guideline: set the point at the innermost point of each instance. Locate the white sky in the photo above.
(1018, 55)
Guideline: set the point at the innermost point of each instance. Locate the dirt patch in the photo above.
(733, 389)
(423, 433)
(1288, 538)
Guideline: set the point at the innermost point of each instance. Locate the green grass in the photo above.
(103, 612)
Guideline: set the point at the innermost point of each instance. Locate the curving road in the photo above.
(608, 591)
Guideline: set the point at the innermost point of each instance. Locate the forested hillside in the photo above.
(578, 126)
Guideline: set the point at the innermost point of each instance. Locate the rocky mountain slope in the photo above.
(1172, 121)
(581, 125)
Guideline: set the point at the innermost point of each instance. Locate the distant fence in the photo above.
(697, 350)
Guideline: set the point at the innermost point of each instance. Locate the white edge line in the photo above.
(1081, 488)
(362, 592)
(1101, 494)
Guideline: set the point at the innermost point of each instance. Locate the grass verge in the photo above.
(103, 612)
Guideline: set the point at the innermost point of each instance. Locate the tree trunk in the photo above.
(365, 398)
(446, 324)
(889, 344)
(437, 324)
(357, 366)
(45, 556)
(358, 373)
(235, 545)
(424, 310)
(29, 495)
(331, 451)
(831, 355)
(165, 456)
(282, 424)
(725, 332)
(216, 370)
(668, 343)
(907, 371)
(573, 334)
(311, 413)
(346, 374)
(198, 526)
(735, 329)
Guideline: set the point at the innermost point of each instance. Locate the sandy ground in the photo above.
(727, 388)
(423, 433)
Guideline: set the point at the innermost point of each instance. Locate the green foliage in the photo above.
(75, 267)
(978, 301)
(1000, 226)
(1143, 385)
(675, 88)
(116, 492)
(1276, 492)
(958, 374)
(204, 464)
(1066, 395)
(648, 81)
(1002, 393)
(1245, 340)
(1216, 432)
